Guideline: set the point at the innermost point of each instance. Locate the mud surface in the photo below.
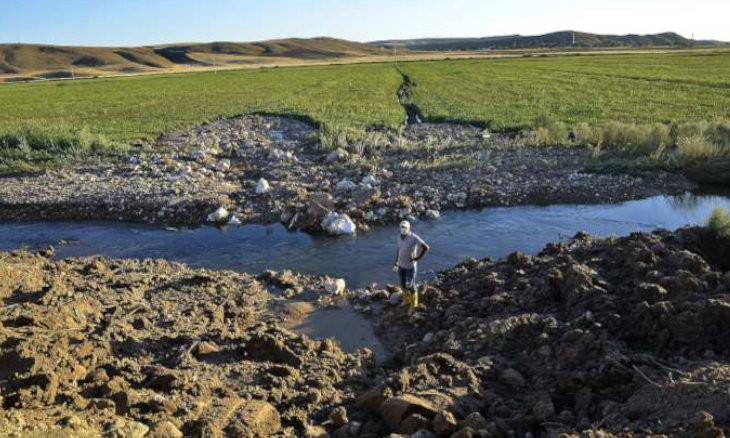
(420, 172)
(626, 336)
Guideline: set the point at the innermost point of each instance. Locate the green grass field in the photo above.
(352, 96)
(510, 94)
(619, 94)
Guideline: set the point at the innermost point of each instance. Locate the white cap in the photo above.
(405, 225)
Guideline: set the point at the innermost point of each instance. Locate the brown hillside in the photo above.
(32, 61)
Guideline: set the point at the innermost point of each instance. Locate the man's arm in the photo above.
(395, 263)
(424, 250)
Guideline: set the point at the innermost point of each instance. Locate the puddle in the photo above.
(350, 329)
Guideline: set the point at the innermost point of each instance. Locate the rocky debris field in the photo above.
(591, 337)
(263, 169)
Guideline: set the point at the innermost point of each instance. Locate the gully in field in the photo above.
(411, 248)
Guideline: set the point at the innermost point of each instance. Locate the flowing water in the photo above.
(366, 259)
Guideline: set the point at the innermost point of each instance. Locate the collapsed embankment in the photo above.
(623, 335)
(264, 169)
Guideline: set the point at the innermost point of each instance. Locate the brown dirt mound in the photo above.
(591, 333)
(119, 347)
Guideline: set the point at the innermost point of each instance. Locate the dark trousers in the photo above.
(407, 278)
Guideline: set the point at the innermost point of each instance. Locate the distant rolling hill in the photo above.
(551, 40)
(32, 61)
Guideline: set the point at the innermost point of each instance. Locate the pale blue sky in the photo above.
(141, 22)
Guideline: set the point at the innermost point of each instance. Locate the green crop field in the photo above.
(509, 94)
(347, 96)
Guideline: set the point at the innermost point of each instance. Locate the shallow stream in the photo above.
(366, 259)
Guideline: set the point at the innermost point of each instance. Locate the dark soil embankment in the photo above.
(613, 334)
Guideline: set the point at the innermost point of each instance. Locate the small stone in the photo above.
(263, 187)
(218, 216)
(122, 428)
(223, 165)
(512, 378)
(395, 298)
(444, 423)
(338, 416)
(345, 184)
(338, 154)
(370, 181)
(311, 431)
(475, 420)
(413, 423)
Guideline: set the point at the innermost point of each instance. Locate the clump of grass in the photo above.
(31, 147)
(699, 147)
(719, 223)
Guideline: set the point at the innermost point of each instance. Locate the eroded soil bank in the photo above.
(625, 335)
(424, 170)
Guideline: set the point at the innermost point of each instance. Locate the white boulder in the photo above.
(339, 224)
(219, 215)
(234, 220)
(335, 286)
(263, 187)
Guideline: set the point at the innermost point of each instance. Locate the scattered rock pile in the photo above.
(264, 169)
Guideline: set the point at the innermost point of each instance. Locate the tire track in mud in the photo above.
(414, 116)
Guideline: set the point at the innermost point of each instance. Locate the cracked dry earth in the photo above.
(388, 175)
(618, 337)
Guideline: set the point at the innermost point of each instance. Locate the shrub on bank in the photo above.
(719, 223)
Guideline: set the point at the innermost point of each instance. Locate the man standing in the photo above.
(411, 249)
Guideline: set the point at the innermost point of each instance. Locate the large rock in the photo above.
(335, 286)
(256, 418)
(337, 224)
(218, 216)
(396, 409)
(319, 206)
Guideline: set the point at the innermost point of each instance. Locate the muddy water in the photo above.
(366, 259)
